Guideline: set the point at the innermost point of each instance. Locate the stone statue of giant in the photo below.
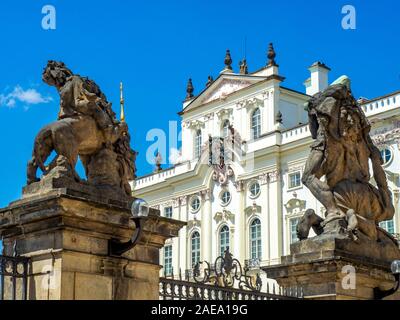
(86, 128)
(337, 171)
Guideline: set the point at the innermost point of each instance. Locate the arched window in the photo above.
(255, 239)
(223, 240)
(256, 124)
(225, 129)
(386, 155)
(195, 248)
(197, 144)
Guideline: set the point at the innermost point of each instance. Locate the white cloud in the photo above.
(18, 94)
(175, 156)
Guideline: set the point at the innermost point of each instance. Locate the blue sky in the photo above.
(154, 47)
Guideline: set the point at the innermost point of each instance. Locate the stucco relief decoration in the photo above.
(250, 103)
(222, 174)
(193, 224)
(176, 202)
(226, 88)
(224, 216)
(295, 206)
(383, 137)
(252, 210)
(269, 177)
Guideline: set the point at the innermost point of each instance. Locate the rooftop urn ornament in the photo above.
(278, 117)
(210, 80)
(271, 55)
(228, 60)
(189, 90)
(243, 67)
(158, 161)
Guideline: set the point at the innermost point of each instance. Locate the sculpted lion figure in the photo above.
(86, 128)
(337, 171)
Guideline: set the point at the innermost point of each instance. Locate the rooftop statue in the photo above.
(337, 171)
(86, 128)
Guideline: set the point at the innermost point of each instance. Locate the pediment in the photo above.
(221, 88)
(224, 89)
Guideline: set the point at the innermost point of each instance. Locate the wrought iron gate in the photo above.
(13, 278)
(223, 280)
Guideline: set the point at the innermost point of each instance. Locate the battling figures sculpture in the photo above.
(86, 128)
(341, 153)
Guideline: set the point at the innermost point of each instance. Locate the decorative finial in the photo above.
(121, 90)
(271, 55)
(209, 81)
(278, 117)
(158, 161)
(189, 90)
(243, 67)
(228, 60)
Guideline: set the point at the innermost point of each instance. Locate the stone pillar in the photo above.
(65, 234)
(275, 216)
(329, 268)
(206, 225)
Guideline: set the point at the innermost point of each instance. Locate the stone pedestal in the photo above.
(323, 268)
(65, 234)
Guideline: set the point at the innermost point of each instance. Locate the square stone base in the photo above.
(66, 236)
(327, 272)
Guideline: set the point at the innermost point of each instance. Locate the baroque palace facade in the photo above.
(252, 203)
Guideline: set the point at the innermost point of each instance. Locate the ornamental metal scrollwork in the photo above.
(227, 272)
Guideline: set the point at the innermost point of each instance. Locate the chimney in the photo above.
(319, 78)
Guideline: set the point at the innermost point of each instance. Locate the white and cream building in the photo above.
(253, 205)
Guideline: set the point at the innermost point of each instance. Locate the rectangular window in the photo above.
(294, 180)
(293, 231)
(168, 260)
(388, 226)
(168, 212)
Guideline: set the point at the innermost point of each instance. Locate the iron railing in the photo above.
(13, 278)
(223, 280)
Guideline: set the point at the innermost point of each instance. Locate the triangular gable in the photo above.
(222, 87)
(225, 88)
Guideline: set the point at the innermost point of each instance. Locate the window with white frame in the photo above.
(168, 212)
(388, 226)
(225, 129)
(254, 189)
(255, 239)
(294, 180)
(195, 204)
(195, 244)
(386, 155)
(256, 123)
(225, 198)
(197, 144)
(168, 260)
(223, 240)
(293, 229)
